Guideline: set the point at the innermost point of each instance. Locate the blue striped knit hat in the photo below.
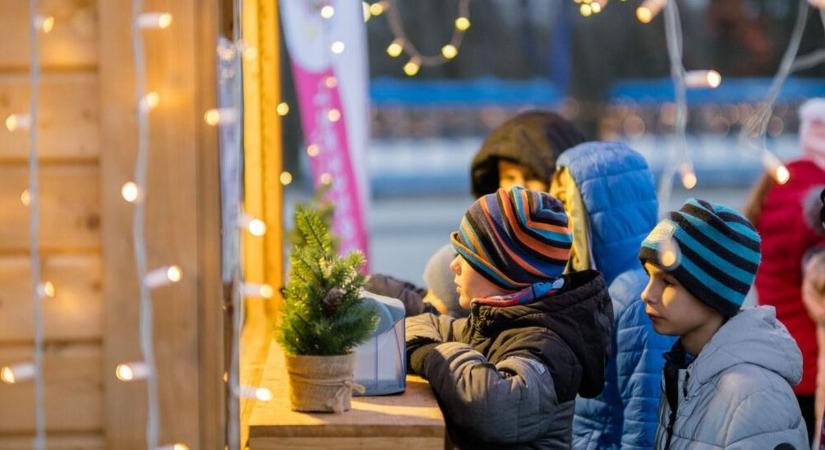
(515, 238)
(718, 253)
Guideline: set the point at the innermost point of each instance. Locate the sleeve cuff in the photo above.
(418, 356)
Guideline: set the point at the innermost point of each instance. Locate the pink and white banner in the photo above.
(329, 64)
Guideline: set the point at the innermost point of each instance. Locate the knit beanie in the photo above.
(515, 238)
(717, 252)
(812, 130)
(533, 139)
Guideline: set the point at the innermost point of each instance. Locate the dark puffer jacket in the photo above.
(508, 376)
(533, 139)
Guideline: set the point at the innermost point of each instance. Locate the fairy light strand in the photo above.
(402, 44)
(34, 230)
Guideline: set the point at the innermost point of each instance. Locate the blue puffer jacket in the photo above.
(619, 199)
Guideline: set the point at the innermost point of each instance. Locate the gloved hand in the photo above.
(422, 336)
(411, 295)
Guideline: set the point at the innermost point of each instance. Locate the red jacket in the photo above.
(785, 239)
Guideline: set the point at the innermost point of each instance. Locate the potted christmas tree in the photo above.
(324, 317)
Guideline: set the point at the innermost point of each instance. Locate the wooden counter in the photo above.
(409, 421)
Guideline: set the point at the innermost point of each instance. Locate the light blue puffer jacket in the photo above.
(618, 194)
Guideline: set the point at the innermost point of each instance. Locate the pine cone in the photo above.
(332, 301)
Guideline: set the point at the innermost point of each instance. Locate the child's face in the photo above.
(512, 174)
(673, 310)
(471, 284)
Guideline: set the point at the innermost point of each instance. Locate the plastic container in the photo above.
(380, 364)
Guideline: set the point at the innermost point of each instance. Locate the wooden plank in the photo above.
(68, 117)
(69, 209)
(175, 209)
(54, 441)
(76, 311)
(70, 45)
(73, 395)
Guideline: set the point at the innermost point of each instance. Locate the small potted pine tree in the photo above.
(324, 317)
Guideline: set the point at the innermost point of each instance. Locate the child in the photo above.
(508, 375)
(520, 152)
(609, 196)
(728, 381)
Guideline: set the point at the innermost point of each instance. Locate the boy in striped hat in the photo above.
(728, 381)
(508, 375)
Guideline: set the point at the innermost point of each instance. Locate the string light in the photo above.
(395, 48)
(462, 23)
(17, 122)
(669, 253)
(330, 82)
(131, 371)
(25, 198)
(585, 10)
(44, 23)
(282, 109)
(162, 276)
(449, 51)
(337, 47)
(703, 79)
(47, 290)
(262, 394)
(130, 192)
(17, 373)
(254, 226)
(325, 178)
(412, 67)
(149, 20)
(334, 115)
(286, 178)
(257, 290)
(220, 116)
(688, 176)
(313, 150)
(649, 9)
(327, 12)
(377, 8)
(149, 101)
(773, 165)
(177, 446)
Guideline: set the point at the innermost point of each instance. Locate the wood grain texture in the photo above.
(56, 441)
(73, 394)
(68, 123)
(69, 209)
(76, 311)
(72, 44)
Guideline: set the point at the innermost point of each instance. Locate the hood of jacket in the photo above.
(754, 336)
(609, 194)
(580, 313)
(533, 139)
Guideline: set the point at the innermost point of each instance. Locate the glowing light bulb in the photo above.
(131, 371)
(18, 122)
(596, 7)
(25, 197)
(395, 48)
(44, 23)
(669, 253)
(286, 178)
(46, 289)
(150, 101)
(585, 10)
(325, 178)
(262, 394)
(130, 192)
(282, 109)
(257, 290)
(219, 116)
(649, 9)
(688, 176)
(412, 67)
(257, 227)
(163, 276)
(330, 82)
(17, 373)
(313, 150)
(334, 115)
(449, 51)
(154, 20)
(462, 23)
(337, 47)
(376, 9)
(180, 447)
(703, 79)
(327, 12)
(773, 165)
(782, 174)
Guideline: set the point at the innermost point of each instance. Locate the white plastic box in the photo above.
(381, 361)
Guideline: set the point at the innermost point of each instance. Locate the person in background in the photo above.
(777, 211)
(609, 195)
(728, 381)
(507, 376)
(522, 151)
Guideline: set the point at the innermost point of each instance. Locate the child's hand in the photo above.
(813, 287)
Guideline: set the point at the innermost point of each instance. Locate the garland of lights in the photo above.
(402, 44)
